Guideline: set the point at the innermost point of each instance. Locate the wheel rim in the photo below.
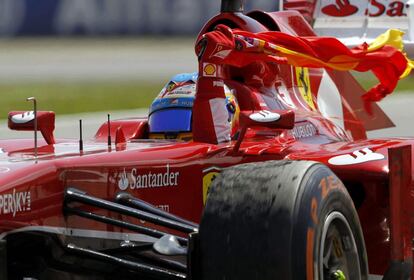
(338, 251)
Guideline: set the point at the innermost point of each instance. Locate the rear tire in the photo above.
(280, 220)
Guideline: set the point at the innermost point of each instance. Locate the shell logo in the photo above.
(209, 70)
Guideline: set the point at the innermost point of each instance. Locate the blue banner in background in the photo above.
(110, 17)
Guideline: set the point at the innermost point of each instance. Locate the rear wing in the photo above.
(357, 21)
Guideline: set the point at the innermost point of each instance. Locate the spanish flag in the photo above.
(384, 56)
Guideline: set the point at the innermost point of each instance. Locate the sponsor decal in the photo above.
(341, 8)
(209, 70)
(136, 180)
(179, 91)
(264, 116)
(218, 48)
(183, 90)
(250, 41)
(239, 45)
(394, 9)
(303, 81)
(209, 176)
(326, 185)
(23, 118)
(218, 84)
(15, 202)
(303, 131)
(359, 156)
(171, 86)
(247, 43)
(376, 8)
(172, 102)
(220, 52)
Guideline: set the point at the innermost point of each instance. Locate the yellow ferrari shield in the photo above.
(303, 81)
(207, 180)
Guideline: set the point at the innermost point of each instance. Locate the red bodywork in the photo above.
(175, 175)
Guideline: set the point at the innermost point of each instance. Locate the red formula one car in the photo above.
(255, 167)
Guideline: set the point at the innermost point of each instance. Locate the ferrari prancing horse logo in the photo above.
(209, 175)
(303, 81)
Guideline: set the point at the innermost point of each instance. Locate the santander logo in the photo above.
(341, 8)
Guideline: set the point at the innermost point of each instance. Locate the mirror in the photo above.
(25, 121)
(276, 119)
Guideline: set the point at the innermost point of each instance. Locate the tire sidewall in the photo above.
(320, 194)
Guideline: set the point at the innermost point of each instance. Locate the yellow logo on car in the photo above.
(209, 70)
(208, 178)
(303, 82)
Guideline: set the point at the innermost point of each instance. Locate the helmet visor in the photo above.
(170, 120)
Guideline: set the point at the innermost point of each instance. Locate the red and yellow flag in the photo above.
(384, 56)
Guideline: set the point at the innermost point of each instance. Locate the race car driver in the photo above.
(170, 114)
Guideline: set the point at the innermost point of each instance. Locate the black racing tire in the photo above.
(269, 220)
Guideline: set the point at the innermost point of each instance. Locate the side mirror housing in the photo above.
(276, 119)
(25, 121)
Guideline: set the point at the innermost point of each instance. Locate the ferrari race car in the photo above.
(255, 167)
